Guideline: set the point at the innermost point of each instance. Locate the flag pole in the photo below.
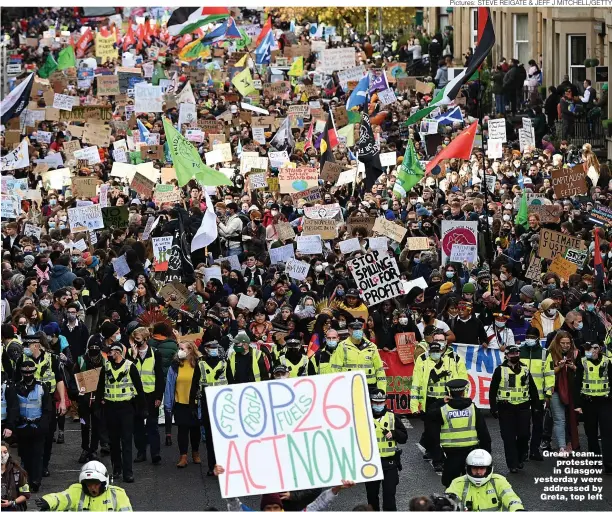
(488, 241)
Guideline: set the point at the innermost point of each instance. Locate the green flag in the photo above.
(522, 217)
(66, 58)
(158, 74)
(48, 67)
(187, 161)
(410, 172)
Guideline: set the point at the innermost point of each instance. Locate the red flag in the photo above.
(83, 43)
(184, 40)
(104, 32)
(139, 37)
(308, 142)
(460, 147)
(147, 32)
(129, 38)
(264, 31)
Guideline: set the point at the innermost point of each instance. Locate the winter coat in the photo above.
(61, 277)
(167, 348)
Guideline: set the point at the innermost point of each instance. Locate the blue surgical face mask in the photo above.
(340, 293)
(52, 202)
(435, 355)
(552, 286)
(417, 260)
(28, 351)
(331, 343)
(213, 352)
(580, 326)
(590, 307)
(378, 408)
(530, 343)
(589, 354)
(357, 334)
(118, 337)
(450, 275)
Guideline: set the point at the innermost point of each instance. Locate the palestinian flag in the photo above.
(186, 20)
(486, 40)
(17, 100)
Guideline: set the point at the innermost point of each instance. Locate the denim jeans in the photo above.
(558, 411)
(500, 104)
(234, 252)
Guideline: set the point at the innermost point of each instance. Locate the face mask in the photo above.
(28, 351)
(52, 202)
(239, 349)
(501, 325)
(435, 356)
(514, 359)
(503, 277)
(4, 458)
(118, 337)
(590, 307)
(71, 317)
(413, 201)
(552, 286)
(331, 343)
(506, 218)
(181, 354)
(300, 211)
(530, 342)
(319, 268)
(378, 408)
(589, 354)
(403, 321)
(274, 213)
(340, 293)
(551, 312)
(385, 206)
(22, 329)
(341, 324)
(74, 259)
(450, 275)
(357, 334)
(579, 326)
(417, 260)
(213, 352)
(94, 354)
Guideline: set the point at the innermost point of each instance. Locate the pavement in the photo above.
(165, 487)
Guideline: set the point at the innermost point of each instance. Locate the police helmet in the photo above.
(479, 459)
(93, 471)
(378, 395)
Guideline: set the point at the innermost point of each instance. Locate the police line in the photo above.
(480, 364)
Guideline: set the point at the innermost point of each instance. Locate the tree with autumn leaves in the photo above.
(393, 17)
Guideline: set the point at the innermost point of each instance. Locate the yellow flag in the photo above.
(244, 82)
(242, 62)
(348, 132)
(297, 68)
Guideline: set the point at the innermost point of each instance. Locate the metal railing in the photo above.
(585, 131)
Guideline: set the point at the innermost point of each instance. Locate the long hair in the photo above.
(192, 357)
(555, 346)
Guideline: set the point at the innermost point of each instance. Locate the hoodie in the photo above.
(61, 276)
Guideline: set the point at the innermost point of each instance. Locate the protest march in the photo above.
(334, 266)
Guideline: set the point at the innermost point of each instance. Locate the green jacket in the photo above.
(167, 349)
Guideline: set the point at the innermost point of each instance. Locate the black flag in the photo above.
(180, 266)
(368, 152)
(17, 100)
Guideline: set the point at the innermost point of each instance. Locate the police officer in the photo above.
(432, 370)
(280, 371)
(245, 364)
(119, 391)
(295, 358)
(592, 399)
(358, 353)
(93, 492)
(535, 357)
(148, 361)
(210, 371)
(460, 427)
(33, 424)
(92, 428)
(389, 431)
(322, 358)
(512, 395)
(48, 372)
(481, 489)
(12, 349)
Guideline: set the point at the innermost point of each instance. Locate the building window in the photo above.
(443, 21)
(521, 38)
(474, 27)
(576, 47)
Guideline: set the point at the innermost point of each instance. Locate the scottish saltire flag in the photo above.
(359, 95)
(144, 132)
(450, 117)
(226, 30)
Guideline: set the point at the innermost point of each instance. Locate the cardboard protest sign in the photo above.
(457, 232)
(108, 85)
(84, 114)
(161, 252)
(569, 182)
(333, 409)
(389, 229)
(142, 185)
(63, 101)
(285, 231)
(377, 277)
(309, 244)
(84, 187)
(547, 213)
(97, 134)
(331, 171)
(534, 271)
(418, 243)
(298, 179)
(281, 254)
(166, 193)
(366, 223)
(349, 245)
(70, 147)
(336, 59)
(310, 196)
(87, 381)
(85, 218)
(563, 268)
(554, 242)
(257, 180)
(90, 153)
(463, 253)
(106, 47)
(297, 269)
(175, 293)
(323, 211)
(168, 174)
(326, 228)
(115, 217)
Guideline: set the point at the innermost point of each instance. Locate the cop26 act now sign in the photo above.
(283, 435)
